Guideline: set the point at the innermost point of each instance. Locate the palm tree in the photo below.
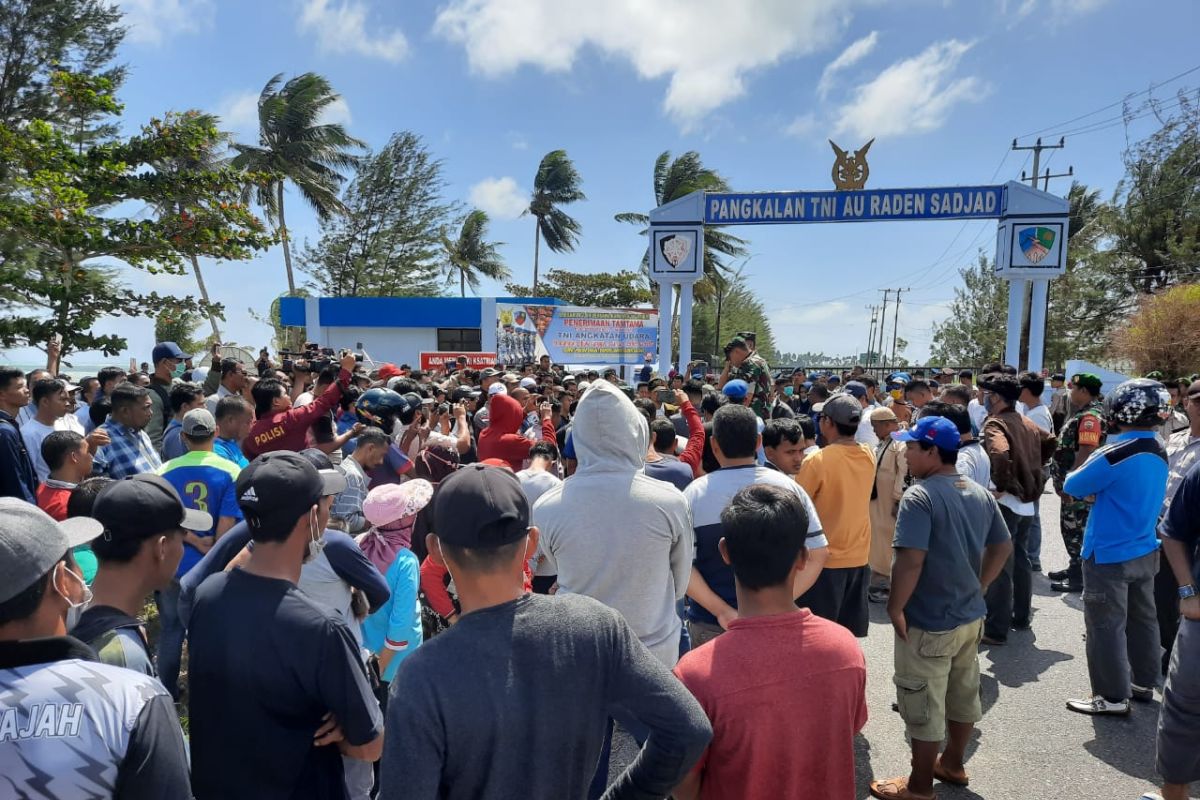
(557, 183)
(203, 160)
(294, 146)
(471, 255)
(673, 180)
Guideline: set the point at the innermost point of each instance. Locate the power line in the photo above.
(1124, 99)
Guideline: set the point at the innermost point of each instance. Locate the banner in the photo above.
(439, 358)
(862, 205)
(575, 334)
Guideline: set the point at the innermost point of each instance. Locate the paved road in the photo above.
(1028, 745)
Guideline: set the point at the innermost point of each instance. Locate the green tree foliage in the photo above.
(974, 331)
(61, 207)
(1157, 219)
(740, 310)
(471, 256)
(602, 289)
(388, 240)
(177, 323)
(295, 147)
(679, 178)
(556, 184)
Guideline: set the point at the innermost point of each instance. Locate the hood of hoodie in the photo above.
(608, 431)
(504, 415)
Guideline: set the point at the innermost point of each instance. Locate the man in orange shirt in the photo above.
(839, 478)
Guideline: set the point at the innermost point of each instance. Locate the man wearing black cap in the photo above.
(547, 669)
(69, 725)
(274, 678)
(144, 522)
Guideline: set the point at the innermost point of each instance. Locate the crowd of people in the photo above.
(457, 583)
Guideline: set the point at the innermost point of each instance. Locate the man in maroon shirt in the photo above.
(278, 426)
(784, 689)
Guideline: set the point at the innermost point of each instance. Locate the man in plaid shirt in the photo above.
(370, 447)
(130, 451)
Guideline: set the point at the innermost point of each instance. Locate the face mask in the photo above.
(789, 391)
(895, 393)
(180, 368)
(75, 610)
(316, 542)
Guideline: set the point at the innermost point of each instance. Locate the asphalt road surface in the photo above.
(1028, 744)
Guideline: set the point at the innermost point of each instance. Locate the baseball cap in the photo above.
(1087, 380)
(497, 388)
(528, 383)
(277, 488)
(489, 373)
(496, 462)
(883, 415)
(609, 373)
(749, 336)
(937, 431)
(199, 422)
(31, 542)
(167, 350)
(389, 371)
(856, 388)
(736, 389)
(568, 379)
(481, 507)
(143, 505)
(1058, 376)
(843, 409)
(583, 385)
(737, 341)
(834, 379)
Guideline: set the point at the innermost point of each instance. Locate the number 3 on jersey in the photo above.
(197, 492)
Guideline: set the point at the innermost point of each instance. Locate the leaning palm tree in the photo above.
(556, 183)
(471, 255)
(293, 145)
(675, 179)
(204, 159)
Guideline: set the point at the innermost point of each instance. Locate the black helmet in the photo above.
(380, 407)
(1139, 402)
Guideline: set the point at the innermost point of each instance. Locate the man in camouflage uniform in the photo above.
(1079, 437)
(741, 364)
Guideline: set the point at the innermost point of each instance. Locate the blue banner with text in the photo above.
(864, 205)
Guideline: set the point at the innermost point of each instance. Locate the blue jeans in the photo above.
(637, 730)
(170, 638)
(1034, 546)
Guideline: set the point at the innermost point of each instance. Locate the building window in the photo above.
(465, 340)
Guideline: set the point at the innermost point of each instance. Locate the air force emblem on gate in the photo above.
(1036, 242)
(675, 249)
(850, 170)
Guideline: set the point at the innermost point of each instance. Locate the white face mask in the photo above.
(316, 542)
(75, 610)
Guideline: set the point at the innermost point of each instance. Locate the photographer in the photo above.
(740, 365)
(279, 426)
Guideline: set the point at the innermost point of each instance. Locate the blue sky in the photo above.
(755, 86)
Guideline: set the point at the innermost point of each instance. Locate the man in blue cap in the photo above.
(168, 367)
(953, 526)
(740, 393)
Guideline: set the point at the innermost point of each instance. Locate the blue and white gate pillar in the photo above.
(676, 258)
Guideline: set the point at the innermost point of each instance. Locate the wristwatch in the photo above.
(1187, 591)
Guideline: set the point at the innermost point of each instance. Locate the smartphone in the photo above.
(699, 370)
(56, 339)
(427, 401)
(665, 395)
(358, 357)
(443, 409)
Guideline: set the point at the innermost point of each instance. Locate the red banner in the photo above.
(439, 358)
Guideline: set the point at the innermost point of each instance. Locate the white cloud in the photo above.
(857, 51)
(239, 114)
(802, 126)
(501, 198)
(914, 95)
(336, 112)
(517, 140)
(706, 48)
(341, 26)
(1058, 9)
(155, 21)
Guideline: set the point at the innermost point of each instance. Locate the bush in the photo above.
(1163, 333)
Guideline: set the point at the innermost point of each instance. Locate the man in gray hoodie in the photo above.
(613, 533)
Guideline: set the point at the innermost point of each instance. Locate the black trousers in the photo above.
(840, 595)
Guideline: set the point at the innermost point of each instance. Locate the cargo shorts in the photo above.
(937, 679)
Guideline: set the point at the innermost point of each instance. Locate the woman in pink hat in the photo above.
(394, 630)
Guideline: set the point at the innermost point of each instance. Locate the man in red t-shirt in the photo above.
(785, 690)
(279, 426)
(67, 455)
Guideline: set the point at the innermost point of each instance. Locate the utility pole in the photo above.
(883, 324)
(1040, 286)
(871, 336)
(896, 324)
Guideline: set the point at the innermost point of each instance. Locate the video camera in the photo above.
(313, 358)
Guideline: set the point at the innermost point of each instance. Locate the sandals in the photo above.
(959, 778)
(896, 789)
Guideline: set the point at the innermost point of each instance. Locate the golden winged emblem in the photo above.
(850, 170)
